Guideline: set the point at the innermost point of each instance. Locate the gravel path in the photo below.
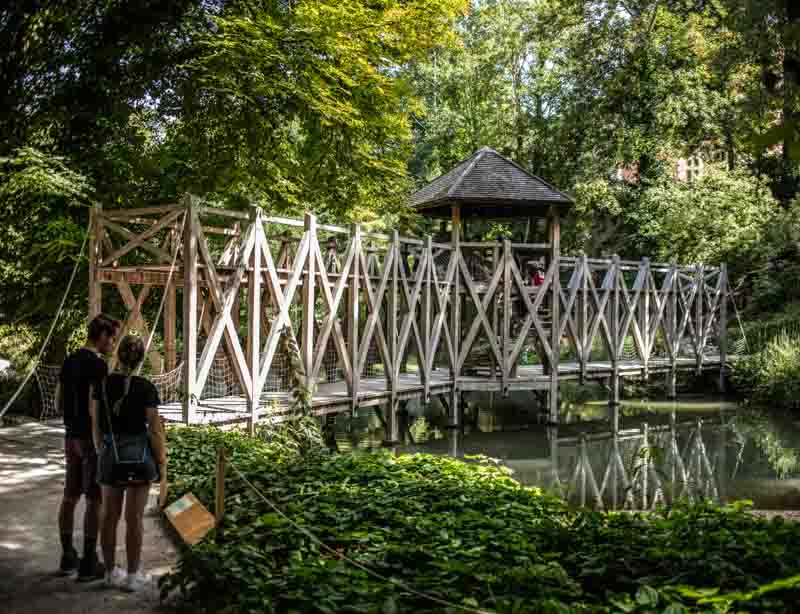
(31, 484)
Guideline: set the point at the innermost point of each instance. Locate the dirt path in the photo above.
(31, 484)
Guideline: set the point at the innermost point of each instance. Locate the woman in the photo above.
(129, 438)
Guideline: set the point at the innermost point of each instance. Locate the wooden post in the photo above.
(307, 332)
(723, 324)
(585, 344)
(617, 335)
(495, 306)
(506, 367)
(392, 431)
(644, 315)
(190, 394)
(393, 309)
(170, 325)
(699, 299)
(455, 303)
(555, 328)
(254, 320)
(352, 317)
(672, 376)
(95, 250)
(427, 314)
(219, 487)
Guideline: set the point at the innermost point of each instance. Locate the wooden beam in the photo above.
(555, 327)
(427, 311)
(170, 327)
(141, 239)
(455, 301)
(353, 296)
(190, 393)
(128, 214)
(96, 231)
(393, 307)
(309, 298)
(508, 307)
(254, 319)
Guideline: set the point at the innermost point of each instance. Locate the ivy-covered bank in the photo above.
(465, 533)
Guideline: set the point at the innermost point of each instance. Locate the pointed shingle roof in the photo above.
(488, 179)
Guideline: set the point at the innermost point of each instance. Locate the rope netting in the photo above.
(47, 377)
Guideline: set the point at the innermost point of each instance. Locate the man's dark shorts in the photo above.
(81, 469)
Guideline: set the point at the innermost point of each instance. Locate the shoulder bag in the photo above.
(132, 463)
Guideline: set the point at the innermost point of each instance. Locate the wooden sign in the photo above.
(190, 518)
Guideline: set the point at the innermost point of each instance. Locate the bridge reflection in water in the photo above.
(701, 451)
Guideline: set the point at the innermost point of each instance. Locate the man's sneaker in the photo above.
(69, 562)
(91, 569)
(138, 582)
(117, 578)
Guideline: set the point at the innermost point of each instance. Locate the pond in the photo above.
(641, 454)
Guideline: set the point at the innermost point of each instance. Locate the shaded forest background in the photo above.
(345, 106)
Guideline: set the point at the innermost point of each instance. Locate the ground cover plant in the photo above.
(466, 533)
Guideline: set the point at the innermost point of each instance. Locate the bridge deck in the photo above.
(333, 398)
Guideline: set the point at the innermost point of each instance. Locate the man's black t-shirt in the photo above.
(132, 416)
(81, 370)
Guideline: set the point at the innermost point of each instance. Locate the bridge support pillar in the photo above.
(453, 405)
(672, 383)
(614, 389)
(391, 426)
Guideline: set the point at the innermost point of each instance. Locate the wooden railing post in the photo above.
(190, 394)
(584, 342)
(672, 375)
(617, 335)
(353, 297)
(426, 369)
(555, 327)
(254, 319)
(508, 307)
(455, 315)
(392, 433)
(495, 306)
(699, 299)
(644, 314)
(309, 299)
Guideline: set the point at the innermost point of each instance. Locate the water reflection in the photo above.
(635, 457)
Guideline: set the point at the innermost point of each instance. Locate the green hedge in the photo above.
(465, 533)
(771, 376)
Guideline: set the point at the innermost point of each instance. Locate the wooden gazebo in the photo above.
(489, 186)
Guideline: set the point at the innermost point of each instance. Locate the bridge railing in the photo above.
(384, 312)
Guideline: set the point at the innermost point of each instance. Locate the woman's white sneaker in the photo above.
(138, 581)
(116, 578)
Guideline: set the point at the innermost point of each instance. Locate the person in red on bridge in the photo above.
(538, 276)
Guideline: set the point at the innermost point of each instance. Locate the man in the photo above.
(82, 370)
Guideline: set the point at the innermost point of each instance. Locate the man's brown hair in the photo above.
(101, 324)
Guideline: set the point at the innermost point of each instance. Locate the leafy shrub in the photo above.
(772, 375)
(464, 533)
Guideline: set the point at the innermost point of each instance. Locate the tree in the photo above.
(308, 107)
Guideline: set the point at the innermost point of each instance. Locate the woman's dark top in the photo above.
(132, 416)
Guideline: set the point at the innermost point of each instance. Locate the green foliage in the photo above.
(723, 217)
(43, 213)
(464, 533)
(772, 374)
(305, 107)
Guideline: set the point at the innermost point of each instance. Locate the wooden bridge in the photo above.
(383, 318)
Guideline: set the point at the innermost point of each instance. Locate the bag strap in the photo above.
(117, 405)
